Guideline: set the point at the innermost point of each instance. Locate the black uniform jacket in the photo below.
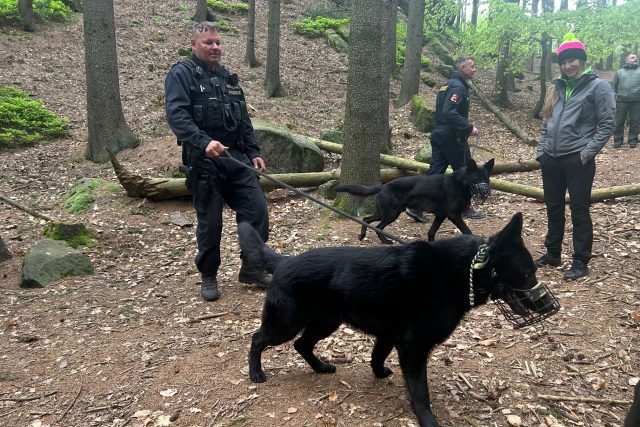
(452, 109)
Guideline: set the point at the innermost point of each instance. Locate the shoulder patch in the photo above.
(455, 98)
(443, 88)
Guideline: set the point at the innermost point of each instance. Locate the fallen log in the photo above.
(510, 124)
(413, 165)
(167, 188)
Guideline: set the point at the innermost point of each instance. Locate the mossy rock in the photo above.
(74, 234)
(424, 153)
(441, 52)
(326, 190)
(428, 81)
(332, 135)
(444, 70)
(423, 117)
(335, 41)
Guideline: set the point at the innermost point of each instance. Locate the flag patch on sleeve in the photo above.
(455, 98)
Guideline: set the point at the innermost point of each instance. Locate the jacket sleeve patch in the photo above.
(455, 98)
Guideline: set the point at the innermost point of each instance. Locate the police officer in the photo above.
(206, 110)
(449, 137)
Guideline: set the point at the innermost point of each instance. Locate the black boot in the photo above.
(209, 288)
(474, 214)
(578, 269)
(548, 259)
(253, 276)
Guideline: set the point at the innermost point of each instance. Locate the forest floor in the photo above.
(135, 345)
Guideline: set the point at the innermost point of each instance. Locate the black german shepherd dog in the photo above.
(633, 416)
(410, 297)
(445, 196)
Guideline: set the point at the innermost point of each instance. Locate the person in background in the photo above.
(578, 119)
(206, 110)
(449, 137)
(626, 85)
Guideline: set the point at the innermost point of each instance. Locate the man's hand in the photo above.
(259, 164)
(214, 149)
(474, 132)
(583, 159)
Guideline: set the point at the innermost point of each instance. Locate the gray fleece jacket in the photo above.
(626, 83)
(581, 123)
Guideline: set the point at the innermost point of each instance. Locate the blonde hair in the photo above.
(552, 97)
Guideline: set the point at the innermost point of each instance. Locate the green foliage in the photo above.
(82, 195)
(324, 9)
(315, 27)
(425, 63)
(24, 120)
(48, 10)
(228, 7)
(401, 40)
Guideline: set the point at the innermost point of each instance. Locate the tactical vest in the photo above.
(217, 103)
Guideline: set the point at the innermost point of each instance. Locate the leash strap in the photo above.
(473, 150)
(227, 156)
(478, 262)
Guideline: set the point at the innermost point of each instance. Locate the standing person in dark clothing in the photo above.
(449, 137)
(206, 110)
(578, 119)
(626, 85)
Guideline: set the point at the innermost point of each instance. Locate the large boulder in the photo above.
(50, 260)
(423, 117)
(285, 152)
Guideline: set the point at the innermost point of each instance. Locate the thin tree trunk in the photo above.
(250, 52)
(272, 85)
(389, 18)
(363, 132)
(474, 12)
(411, 69)
(108, 130)
(544, 42)
(501, 93)
(26, 11)
(202, 11)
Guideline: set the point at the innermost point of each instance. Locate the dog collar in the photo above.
(479, 261)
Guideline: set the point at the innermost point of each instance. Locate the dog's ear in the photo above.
(489, 166)
(512, 232)
(471, 166)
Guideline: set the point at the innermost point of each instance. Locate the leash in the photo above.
(227, 156)
(473, 150)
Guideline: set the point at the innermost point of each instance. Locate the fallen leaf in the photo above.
(169, 392)
(514, 420)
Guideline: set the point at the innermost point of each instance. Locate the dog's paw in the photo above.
(258, 376)
(325, 368)
(383, 373)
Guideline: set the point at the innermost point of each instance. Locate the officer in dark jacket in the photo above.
(449, 137)
(206, 110)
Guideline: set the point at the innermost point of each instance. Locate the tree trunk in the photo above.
(5, 254)
(250, 52)
(547, 6)
(544, 42)
(272, 84)
(362, 128)
(389, 18)
(501, 93)
(202, 12)
(108, 130)
(548, 62)
(411, 69)
(474, 12)
(534, 7)
(564, 5)
(510, 124)
(26, 11)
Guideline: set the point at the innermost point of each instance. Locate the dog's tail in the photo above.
(254, 251)
(358, 190)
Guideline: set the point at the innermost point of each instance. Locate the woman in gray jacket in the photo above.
(578, 119)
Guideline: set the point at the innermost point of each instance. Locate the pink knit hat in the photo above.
(571, 48)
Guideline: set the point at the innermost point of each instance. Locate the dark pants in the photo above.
(447, 150)
(560, 174)
(632, 110)
(239, 188)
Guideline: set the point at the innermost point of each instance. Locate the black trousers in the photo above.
(240, 189)
(632, 110)
(447, 150)
(560, 174)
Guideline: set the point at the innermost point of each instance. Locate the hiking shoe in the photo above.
(473, 214)
(209, 288)
(578, 269)
(633, 144)
(417, 215)
(548, 259)
(254, 276)
(617, 144)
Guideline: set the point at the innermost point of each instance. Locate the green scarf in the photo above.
(570, 84)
